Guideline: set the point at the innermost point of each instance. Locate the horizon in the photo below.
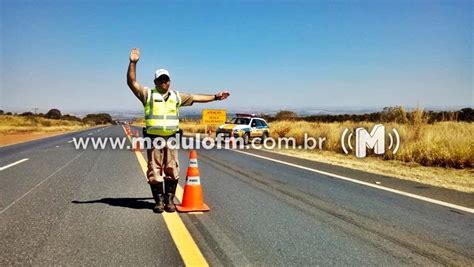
(270, 111)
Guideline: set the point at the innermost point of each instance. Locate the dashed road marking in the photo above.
(13, 164)
(40, 183)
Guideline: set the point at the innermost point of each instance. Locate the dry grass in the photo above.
(138, 122)
(26, 125)
(440, 154)
(192, 126)
(446, 144)
(443, 144)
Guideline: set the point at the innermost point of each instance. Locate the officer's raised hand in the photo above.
(137, 89)
(134, 55)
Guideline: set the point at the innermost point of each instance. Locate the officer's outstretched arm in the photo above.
(208, 98)
(132, 74)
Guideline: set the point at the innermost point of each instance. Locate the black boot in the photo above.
(158, 195)
(170, 189)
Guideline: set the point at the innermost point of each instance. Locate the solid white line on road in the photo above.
(430, 200)
(13, 164)
(45, 179)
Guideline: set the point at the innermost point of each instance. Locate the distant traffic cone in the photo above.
(193, 199)
(137, 142)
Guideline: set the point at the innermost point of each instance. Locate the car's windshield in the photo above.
(240, 120)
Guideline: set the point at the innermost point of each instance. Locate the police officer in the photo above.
(161, 118)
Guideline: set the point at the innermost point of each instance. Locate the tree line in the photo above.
(396, 114)
(55, 114)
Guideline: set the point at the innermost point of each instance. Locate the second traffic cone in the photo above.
(193, 199)
(137, 142)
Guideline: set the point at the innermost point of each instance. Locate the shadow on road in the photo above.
(133, 203)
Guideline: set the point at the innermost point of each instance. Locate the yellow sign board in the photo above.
(214, 116)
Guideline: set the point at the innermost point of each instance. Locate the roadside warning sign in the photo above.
(214, 116)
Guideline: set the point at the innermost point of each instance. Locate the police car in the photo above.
(247, 126)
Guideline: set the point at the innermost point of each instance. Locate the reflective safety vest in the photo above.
(162, 117)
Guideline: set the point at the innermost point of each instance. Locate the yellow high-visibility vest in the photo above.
(162, 117)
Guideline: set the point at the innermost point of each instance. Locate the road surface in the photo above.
(59, 205)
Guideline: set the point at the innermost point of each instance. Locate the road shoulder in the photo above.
(421, 189)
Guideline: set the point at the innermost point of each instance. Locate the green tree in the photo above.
(27, 114)
(285, 115)
(53, 114)
(101, 118)
(394, 114)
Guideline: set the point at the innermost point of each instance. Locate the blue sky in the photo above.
(73, 55)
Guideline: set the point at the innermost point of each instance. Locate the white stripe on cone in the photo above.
(193, 180)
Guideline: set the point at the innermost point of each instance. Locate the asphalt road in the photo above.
(64, 206)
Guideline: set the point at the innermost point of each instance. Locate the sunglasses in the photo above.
(163, 79)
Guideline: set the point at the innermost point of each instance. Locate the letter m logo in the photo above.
(375, 140)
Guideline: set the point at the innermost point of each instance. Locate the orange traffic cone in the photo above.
(137, 143)
(193, 199)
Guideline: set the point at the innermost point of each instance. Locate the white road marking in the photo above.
(57, 146)
(45, 179)
(70, 141)
(13, 164)
(430, 200)
(90, 133)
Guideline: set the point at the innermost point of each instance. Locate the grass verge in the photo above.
(18, 129)
(439, 154)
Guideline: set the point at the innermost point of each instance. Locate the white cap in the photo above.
(160, 72)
